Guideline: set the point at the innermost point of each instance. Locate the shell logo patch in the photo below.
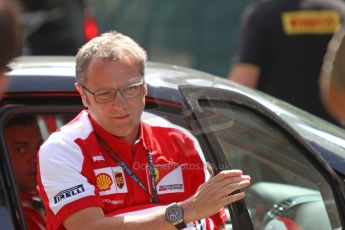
(103, 182)
(311, 22)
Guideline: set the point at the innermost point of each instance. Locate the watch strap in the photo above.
(181, 225)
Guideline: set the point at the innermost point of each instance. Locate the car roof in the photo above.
(46, 73)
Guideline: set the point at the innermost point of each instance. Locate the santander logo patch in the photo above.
(171, 182)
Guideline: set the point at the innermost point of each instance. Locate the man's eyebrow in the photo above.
(21, 143)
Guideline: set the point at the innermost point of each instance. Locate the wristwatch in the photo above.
(174, 215)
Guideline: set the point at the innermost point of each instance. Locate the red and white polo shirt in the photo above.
(76, 171)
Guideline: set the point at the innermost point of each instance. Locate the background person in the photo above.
(23, 138)
(87, 170)
(332, 80)
(53, 27)
(281, 48)
(10, 39)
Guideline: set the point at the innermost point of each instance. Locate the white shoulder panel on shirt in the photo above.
(61, 161)
(157, 121)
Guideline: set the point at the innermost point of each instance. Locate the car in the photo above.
(296, 160)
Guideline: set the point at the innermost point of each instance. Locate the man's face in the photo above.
(23, 143)
(121, 116)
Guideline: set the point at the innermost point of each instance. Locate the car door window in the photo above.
(289, 187)
(23, 130)
(5, 210)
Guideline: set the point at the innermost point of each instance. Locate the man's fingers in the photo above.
(226, 174)
(219, 189)
(230, 187)
(226, 179)
(215, 193)
(226, 200)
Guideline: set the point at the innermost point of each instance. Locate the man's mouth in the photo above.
(121, 116)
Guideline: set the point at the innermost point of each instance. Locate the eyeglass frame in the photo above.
(140, 84)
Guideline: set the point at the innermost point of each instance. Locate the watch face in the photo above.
(174, 213)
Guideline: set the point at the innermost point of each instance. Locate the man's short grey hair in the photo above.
(109, 46)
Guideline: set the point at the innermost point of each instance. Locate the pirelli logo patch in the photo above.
(310, 22)
(68, 193)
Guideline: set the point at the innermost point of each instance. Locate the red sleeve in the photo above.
(34, 220)
(220, 218)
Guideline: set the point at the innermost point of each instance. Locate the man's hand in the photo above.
(208, 199)
(215, 194)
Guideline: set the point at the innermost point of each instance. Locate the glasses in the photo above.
(108, 95)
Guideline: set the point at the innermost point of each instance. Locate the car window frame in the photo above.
(7, 211)
(191, 96)
(12, 196)
(11, 190)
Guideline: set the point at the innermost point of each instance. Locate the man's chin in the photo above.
(121, 135)
(125, 134)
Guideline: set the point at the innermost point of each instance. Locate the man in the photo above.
(332, 80)
(23, 138)
(281, 49)
(108, 162)
(10, 39)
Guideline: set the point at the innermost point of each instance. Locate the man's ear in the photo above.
(145, 89)
(82, 94)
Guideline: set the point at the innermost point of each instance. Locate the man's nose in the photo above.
(119, 101)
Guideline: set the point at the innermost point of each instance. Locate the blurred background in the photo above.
(195, 33)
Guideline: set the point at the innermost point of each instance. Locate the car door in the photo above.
(8, 209)
(11, 212)
(292, 187)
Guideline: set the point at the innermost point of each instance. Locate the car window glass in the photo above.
(287, 188)
(5, 218)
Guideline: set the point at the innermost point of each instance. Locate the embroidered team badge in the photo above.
(156, 174)
(104, 182)
(119, 180)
